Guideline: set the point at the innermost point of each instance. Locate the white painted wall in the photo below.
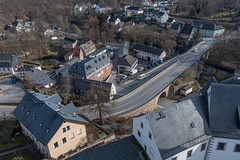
(152, 149)
(197, 154)
(228, 153)
(153, 57)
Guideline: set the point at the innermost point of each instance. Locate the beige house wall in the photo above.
(75, 137)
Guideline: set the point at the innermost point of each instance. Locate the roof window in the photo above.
(41, 124)
(47, 130)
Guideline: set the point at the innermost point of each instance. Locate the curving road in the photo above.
(157, 83)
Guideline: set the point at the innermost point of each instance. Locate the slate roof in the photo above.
(90, 66)
(134, 8)
(205, 88)
(175, 26)
(72, 61)
(213, 27)
(161, 13)
(8, 60)
(223, 116)
(155, 11)
(85, 85)
(148, 49)
(98, 52)
(183, 126)
(123, 50)
(124, 149)
(150, 10)
(127, 60)
(187, 29)
(233, 80)
(38, 77)
(69, 40)
(170, 20)
(198, 23)
(41, 115)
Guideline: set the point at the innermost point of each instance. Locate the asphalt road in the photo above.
(152, 87)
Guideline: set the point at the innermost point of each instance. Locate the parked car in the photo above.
(145, 68)
(156, 63)
(140, 69)
(132, 72)
(123, 77)
(141, 76)
(161, 60)
(14, 80)
(149, 66)
(152, 64)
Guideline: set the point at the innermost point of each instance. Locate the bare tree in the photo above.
(98, 100)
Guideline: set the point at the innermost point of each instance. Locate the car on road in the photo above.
(14, 80)
(145, 68)
(161, 60)
(140, 69)
(156, 63)
(195, 50)
(123, 77)
(141, 76)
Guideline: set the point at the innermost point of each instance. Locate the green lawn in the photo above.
(12, 141)
(23, 155)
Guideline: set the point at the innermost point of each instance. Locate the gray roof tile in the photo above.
(175, 133)
(148, 49)
(38, 113)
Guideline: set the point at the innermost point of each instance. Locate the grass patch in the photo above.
(186, 77)
(23, 155)
(47, 63)
(12, 141)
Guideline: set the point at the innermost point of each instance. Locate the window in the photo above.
(47, 130)
(64, 129)
(189, 153)
(23, 107)
(28, 113)
(34, 117)
(221, 146)
(41, 124)
(139, 133)
(237, 148)
(175, 158)
(203, 147)
(64, 140)
(71, 136)
(149, 135)
(145, 147)
(141, 125)
(79, 131)
(68, 127)
(55, 144)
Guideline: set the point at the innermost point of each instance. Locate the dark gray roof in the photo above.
(183, 126)
(170, 20)
(148, 49)
(8, 60)
(176, 26)
(113, 19)
(38, 77)
(155, 11)
(223, 116)
(90, 66)
(124, 149)
(85, 85)
(98, 52)
(68, 55)
(205, 88)
(187, 29)
(72, 61)
(161, 13)
(39, 113)
(134, 8)
(233, 80)
(127, 60)
(124, 47)
(198, 23)
(150, 10)
(213, 27)
(69, 40)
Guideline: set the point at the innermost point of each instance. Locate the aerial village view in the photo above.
(119, 79)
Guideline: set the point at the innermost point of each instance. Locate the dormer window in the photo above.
(23, 107)
(41, 124)
(47, 130)
(34, 117)
(28, 113)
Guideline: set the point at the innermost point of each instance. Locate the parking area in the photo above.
(11, 91)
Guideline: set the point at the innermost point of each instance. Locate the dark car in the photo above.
(152, 64)
(145, 68)
(156, 63)
(149, 66)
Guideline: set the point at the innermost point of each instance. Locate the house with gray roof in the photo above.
(9, 63)
(80, 87)
(127, 63)
(188, 31)
(203, 128)
(212, 30)
(134, 10)
(152, 54)
(97, 68)
(54, 128)
(38, 79)
(180, 131)
(162, 17)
